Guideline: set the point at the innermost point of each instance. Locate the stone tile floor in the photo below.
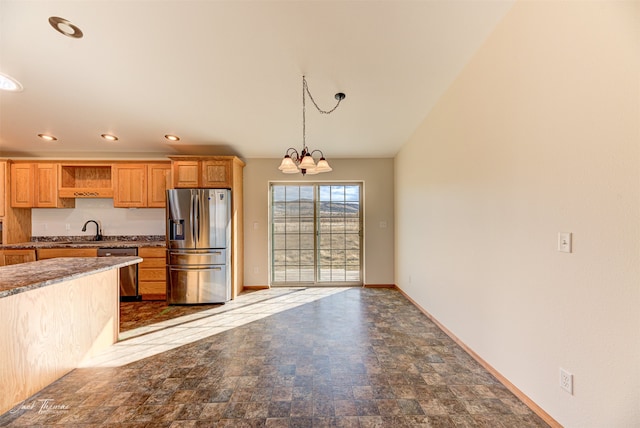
(334, 357)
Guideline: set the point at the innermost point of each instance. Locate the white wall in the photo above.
(539, 134)
(377, 175)
(114, 221)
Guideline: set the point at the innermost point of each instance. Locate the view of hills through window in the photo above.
(316, 234)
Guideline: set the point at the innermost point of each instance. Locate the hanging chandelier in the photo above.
(302, 161)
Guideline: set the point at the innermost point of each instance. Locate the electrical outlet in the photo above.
(566, 381)
(564, 242)
(67, 226)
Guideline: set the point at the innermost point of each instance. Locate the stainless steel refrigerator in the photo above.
(198, 246)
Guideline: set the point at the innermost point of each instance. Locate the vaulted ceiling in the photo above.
(226, 76)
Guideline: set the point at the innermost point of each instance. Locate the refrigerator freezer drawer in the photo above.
(198, 285)
(198, 257)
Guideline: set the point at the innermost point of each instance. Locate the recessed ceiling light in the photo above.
(172, 137)
(109, 137)
(8, 83)
(47, 137)
(65, 27)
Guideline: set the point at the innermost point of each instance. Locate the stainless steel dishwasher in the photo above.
(128, 274)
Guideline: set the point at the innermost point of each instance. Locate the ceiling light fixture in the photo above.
(109, 137)
(47, 137)
(172, 137)
(8, 83)
(302, 161)
(65, 27)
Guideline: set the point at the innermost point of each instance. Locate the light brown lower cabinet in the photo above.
(50, 253)
(152, 273)
(14, 257)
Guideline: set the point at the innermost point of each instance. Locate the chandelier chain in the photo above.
(306, 91)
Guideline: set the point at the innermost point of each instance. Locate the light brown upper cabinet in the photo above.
(212, 172)
(85, 180)
(186, 174)
(140, 185)
(130, 185)
(159, 181)
(35, 185)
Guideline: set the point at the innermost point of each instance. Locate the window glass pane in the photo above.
(307, 225)
(325, 193)
(292, 209)
(292, 226)
(352, 241)
(278, 193)
(306, 209)
(278, 226)
(337, 193)
(278, 209)
(292, 241)
(278, 242)
(352, 209)
(306, 242)
(352, 193)
(279, 257)
(292, 193)
(337, 242)
(306, 193)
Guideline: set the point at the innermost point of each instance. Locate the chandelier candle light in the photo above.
(294, 161)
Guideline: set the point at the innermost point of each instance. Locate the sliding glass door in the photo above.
(316, 234)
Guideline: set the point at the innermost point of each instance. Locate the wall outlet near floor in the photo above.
(564, 242)
(566, 381)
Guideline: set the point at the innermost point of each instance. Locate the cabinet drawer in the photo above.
(50, 253)
(152, 287)
(145, 252)
(156, 274)
(154, 262)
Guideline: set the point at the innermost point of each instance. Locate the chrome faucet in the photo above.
(98, 234)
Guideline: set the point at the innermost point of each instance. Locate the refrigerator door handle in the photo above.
(192, 218)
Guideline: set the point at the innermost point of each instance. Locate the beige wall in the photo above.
(539, 134)
(377, 175)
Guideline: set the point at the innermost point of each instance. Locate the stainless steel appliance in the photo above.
(128, 274)
(198, 246)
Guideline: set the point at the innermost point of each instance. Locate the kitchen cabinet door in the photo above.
(3, 193)
(216, 174)
(46, 187)
(159, 182)
(22, 185)
(130, 185)
(14, 257)
(35, 185)
(186, 174)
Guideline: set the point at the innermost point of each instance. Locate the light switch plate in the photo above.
(564, 242)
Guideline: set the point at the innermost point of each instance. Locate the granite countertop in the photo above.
(78, 242)
(23, 277)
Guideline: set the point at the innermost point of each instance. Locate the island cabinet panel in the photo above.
(130, 185)
(159, 175)
(14, 257)
(152, 273)
(49, 331)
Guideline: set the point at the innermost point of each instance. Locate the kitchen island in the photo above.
(54, 314)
